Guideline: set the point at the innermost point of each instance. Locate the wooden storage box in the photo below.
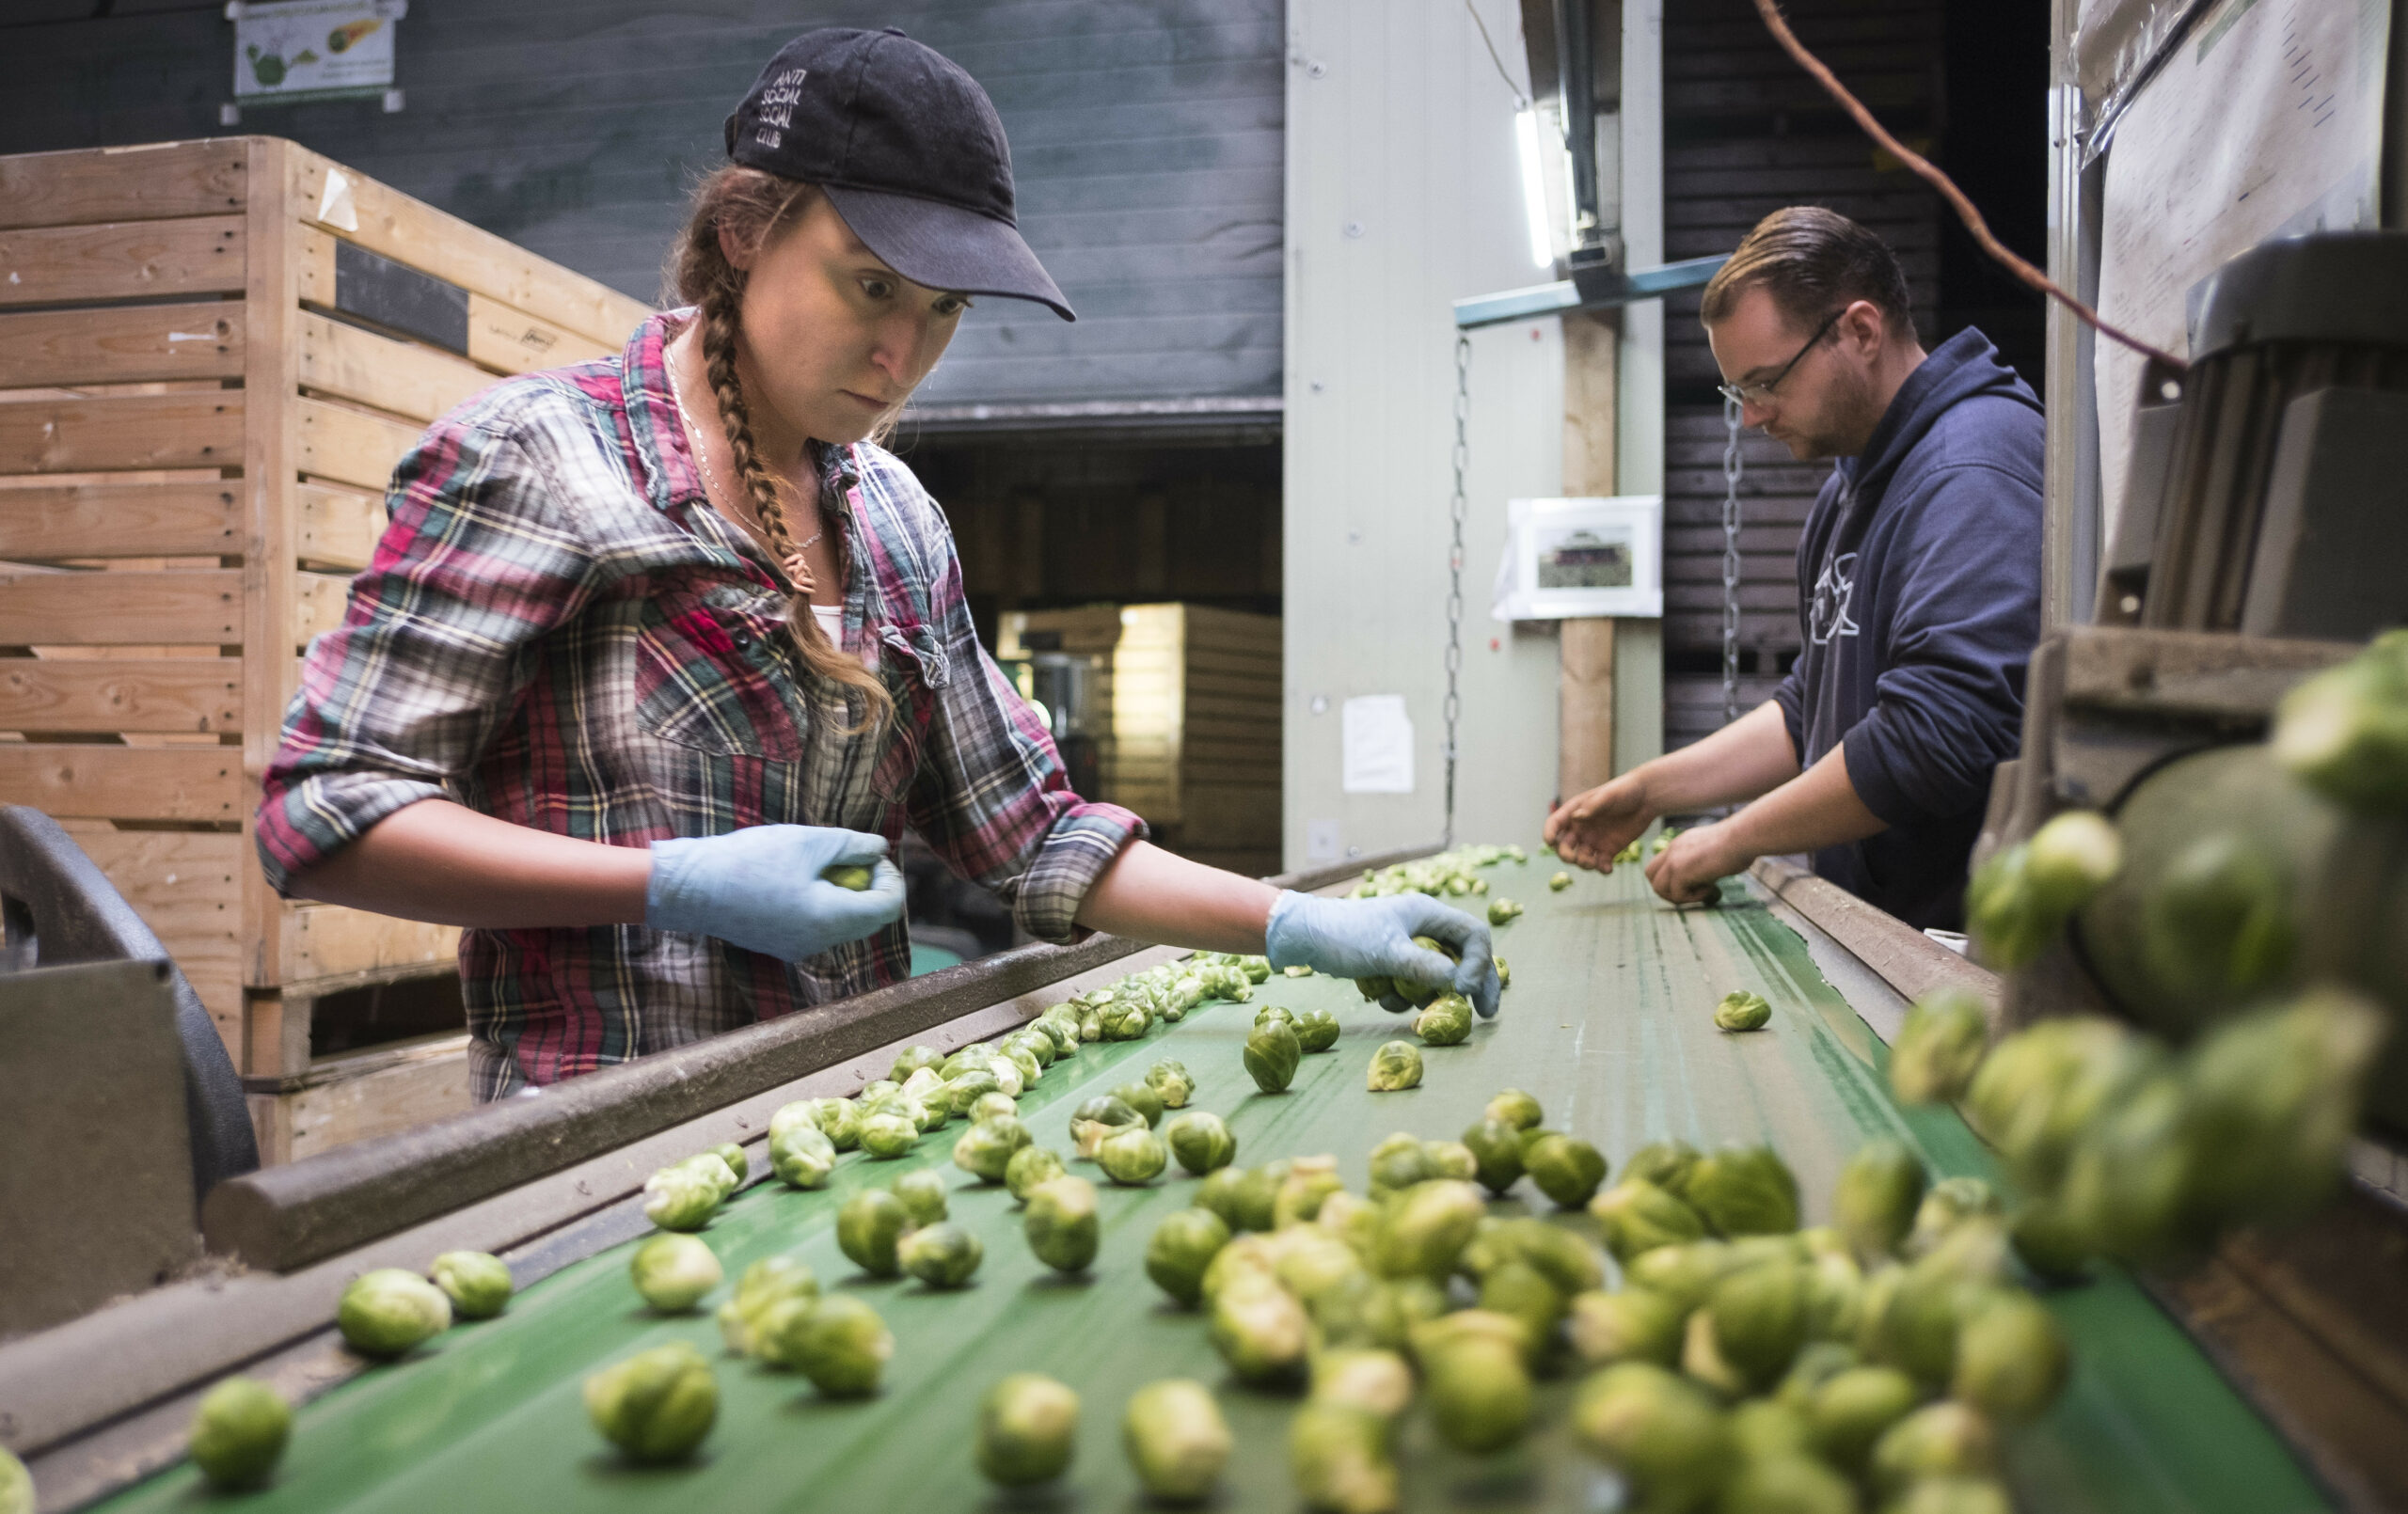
(211, 354)
(1187, 701)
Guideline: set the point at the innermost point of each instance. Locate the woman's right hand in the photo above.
(1589, 830)
(760, 887)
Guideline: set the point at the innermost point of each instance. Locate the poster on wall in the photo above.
(295, 50)
(2266, 121)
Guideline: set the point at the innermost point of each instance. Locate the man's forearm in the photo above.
(1818, 808)
(1748, 757)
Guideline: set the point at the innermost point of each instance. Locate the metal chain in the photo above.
(1731, 470)
(1457, 508)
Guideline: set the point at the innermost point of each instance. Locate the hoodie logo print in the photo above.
(1828, 617)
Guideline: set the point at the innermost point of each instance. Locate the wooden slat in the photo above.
(186, 887)
(338, 528)
(317, 604)
(327, 947)
(122, 260)
(403, 377)
(313, 267)
(349, 446)
(125, 783)
(509, 340)
(153, 182)
(121, 344)
(150, 694)
(120, 433)
(359, 1098)
(107, 520)
(394, 225)
(175, 608)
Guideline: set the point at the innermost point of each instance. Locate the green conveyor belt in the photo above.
(1608, 1023)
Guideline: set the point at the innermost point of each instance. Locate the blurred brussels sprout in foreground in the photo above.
(1061, 1224)
(2216, 923)
(2003, 914)
(1559, 882)
(1665, 1163)
(1451, 1159)
(1631, 1326)
(2011, 1358)
(1309, 1181)
(1029, 1166)
(769, 1282)
(1316, 1030)
(837, 1341)
(802, 1155)
(1950, 1203)
(1851, 1409)
(868, 1227)
(1398, 1163)
(1741, 1010)
(1952, 1495)
(1446, 1020)
(1636, 1217)
(1171, 1082)
(995, 1106)
(1260, 1329)
(1756, 1317)
(1879, 1194)
(1201, 1142)
(1143, 1098)
(1184, 1245)
(1338, 1456)
(1368, 1379)
(1503, 911)
(16, 1485)
(1395, 1066)
(1511, 1107)
(2344, 733)
(1939, 1048)
(238, 1434)
(1479, 1390)
(2039, 1088)
(923, 1193)
(839, 1120)
(1744, 1191)
(1177, 1439)
(656, 1404)
(1099, 1117)
(1496, 1149)
(2273, 1098)
(943, 1255)
(1790, 1482)
(672, 1272)
(1426, 1229)
(1941, 1440)
(681, 1198)
(1664, 1434)
(1028, 1425)
(1271, 1052)
(477, 1282)
(2070, 859)
(1132, 1156)
(389, 1312)
(889, 1133)
(1566, 1167)
(988, 1148)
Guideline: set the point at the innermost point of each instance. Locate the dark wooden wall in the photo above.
(1148, 140)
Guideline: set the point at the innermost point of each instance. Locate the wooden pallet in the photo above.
(1188, 698)
(341, 1100)
(211, 354)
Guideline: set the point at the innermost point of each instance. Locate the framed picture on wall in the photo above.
(1581, 557)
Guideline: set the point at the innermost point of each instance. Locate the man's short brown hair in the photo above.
(1813, 262)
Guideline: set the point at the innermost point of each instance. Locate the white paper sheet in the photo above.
(2266, 121)
(1378, 740)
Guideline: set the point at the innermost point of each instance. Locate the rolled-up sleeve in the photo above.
(476, 564)
(991, 795)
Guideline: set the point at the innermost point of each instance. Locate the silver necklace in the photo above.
(798, 567)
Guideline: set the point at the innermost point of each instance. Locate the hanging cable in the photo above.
(1457, 508)
(1928, 172)
(1521, 100)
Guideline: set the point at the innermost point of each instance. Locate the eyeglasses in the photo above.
(1759, 393)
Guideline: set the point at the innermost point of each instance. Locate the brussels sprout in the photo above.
(2038, 1089)
(477, 1283)
(836, 1341)
(867, 1228)
(1142, 1097)
(1522, 1293)
(2011, 1358)
(995, 1106)
(1222, 1194)
(389, 1311)
(1776, 1482)
(1099, 1117)
(889, 1134)
(1132, 1156)
(1877, 1200)
(988, 1148)
(1028, 1425)
(1503, 911)
(1061, 1224)
(1426, 1229)
(1260, 1329)
(1912, 1317)
(1665, 1163)
(1834, 1297)
(1395, 1066)
(1182, 1247)
(1638, 1217)
(1201, 1142)
(2344, 733)
(1744, 1191)
(1316, 1030)
(943, 1255)
(1952, 1495)
(1632, 1325)
(1368, 1379)
(1817, 1363)
(2216, 923)
(673, 1272)
(2274, 1100)
(1566, 1169)
(1682, 1275)
(767, 1282)
(839, 1120)
(1853, 1409)
(882, 1088)
(1743, 1011)
(1496, 1149)
(1514, 1108)
(1451, 1159)
(2070, 859)
(1321, 1271)
(1271, 1053)
(1040, 1046)
(2047, 1241)
(1311, 1181)
(1939, 1048)
(1176, 1438)
(1399, 1162)
(1663, 1434)
(16, 1485)
(1758, 1315)
(911, 1059)
(801, 1111)
(1767, 1429)
(965, 1088)
(1029, 1166)
(681, 1198)
(1560, 881)
(1950, 1203)
(2003, 913)
(802, 1155)
(923, 1193)
(1171, 1083)
(1375, 989)
(1444, 1021)
(656, 1404)
(1022, 1060)
(1940, 1439)
(1125, 1020)
(238, 1434)
(1270, 1013)
(1479, 1389)
(928, 1086)
(1090, 1023)
(1338, 1456)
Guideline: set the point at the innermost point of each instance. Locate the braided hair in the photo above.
(751, 206)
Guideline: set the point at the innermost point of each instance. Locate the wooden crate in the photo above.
(211, 354)
(1189, 699)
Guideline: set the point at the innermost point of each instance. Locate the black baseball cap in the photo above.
(908, 150)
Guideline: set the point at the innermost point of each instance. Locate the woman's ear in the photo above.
(738, 251)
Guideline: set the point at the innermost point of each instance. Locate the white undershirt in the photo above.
(831, 621)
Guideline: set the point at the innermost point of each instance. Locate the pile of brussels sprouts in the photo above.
(1447, 875)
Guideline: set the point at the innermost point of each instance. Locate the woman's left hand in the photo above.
(1373, 939)
(1690, 871)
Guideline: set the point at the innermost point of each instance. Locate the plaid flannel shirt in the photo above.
(557, 629)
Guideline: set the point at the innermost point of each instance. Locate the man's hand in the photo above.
(1692, 869)
(1588, 829)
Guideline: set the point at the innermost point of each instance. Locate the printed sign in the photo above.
(313, 49)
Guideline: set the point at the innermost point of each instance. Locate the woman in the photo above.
(652, 643)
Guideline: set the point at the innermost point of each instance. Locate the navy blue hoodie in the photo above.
(1920, 572)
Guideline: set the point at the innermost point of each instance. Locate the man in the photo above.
(1920, 576)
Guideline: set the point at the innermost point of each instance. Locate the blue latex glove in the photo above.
(1373, 939)
(760, 889)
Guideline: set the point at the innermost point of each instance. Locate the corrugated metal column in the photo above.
(1638, 446)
